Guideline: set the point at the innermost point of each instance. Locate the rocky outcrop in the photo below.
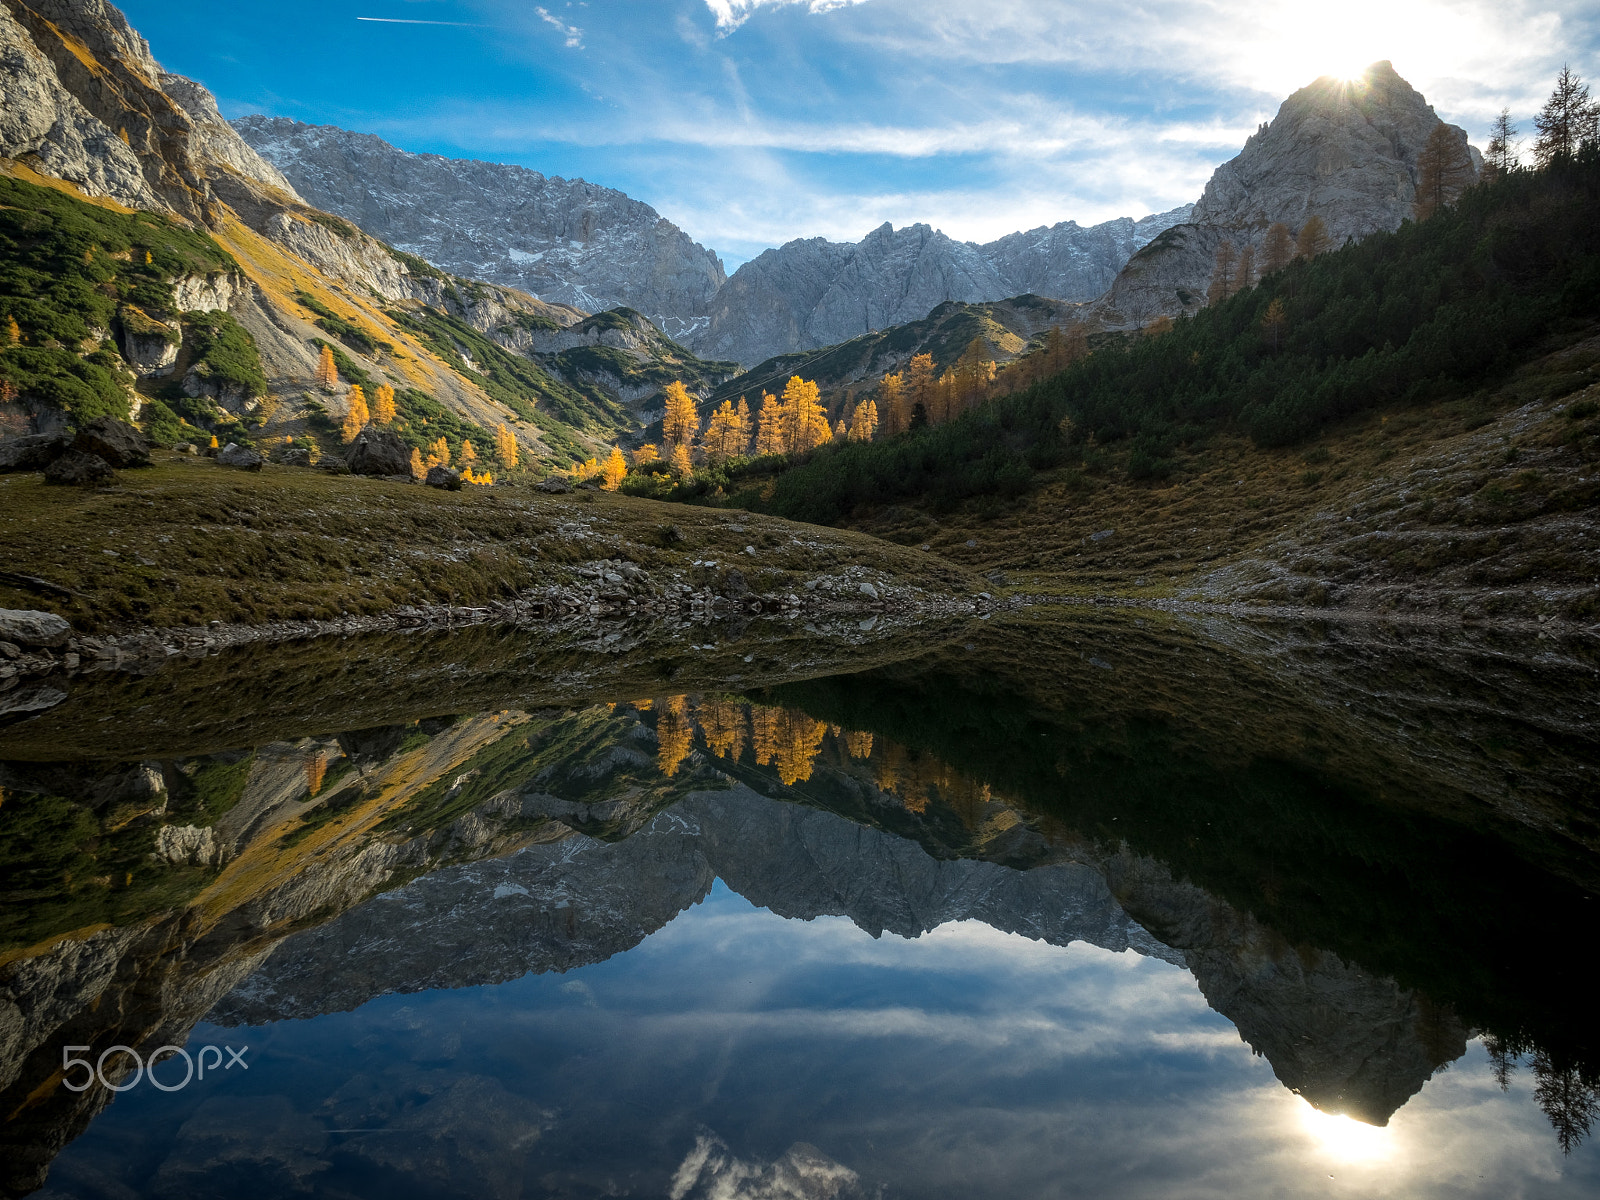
(813, 292)
(119, 443)
(378, 452)
(77, 469)
(29, 627)
(1342, 150)
(565, 241)
(33, 452)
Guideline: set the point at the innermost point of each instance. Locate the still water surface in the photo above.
(1045, 912)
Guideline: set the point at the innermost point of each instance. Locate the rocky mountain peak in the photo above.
(1344, 150)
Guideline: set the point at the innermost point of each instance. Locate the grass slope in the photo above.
(188, 541)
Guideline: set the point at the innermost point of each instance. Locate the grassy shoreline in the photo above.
(189, 543)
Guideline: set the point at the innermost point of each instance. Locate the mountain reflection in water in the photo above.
(1093, 906)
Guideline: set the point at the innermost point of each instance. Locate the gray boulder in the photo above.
(295, 456)
(116, 442)
(30, 627)
(33, 453)
(246, 459)
(447, 478)
(378, 452)
(554, 486)
(75, 468)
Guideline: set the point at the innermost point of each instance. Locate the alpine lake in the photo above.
(1072, 902)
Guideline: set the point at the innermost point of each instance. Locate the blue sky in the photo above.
(750, 122)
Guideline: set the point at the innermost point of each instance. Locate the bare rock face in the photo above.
(812, 292)
(1342, 150)
(565, 241)
(87, 102)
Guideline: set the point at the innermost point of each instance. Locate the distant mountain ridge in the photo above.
(811, 292)
(572, 242)
(566, 241)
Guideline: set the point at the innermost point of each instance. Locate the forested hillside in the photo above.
(1442, 308)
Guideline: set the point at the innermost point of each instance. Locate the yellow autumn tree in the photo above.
(439, 452)
(645, 455)
(920, 384)
(1222, 274)
(769, 429)
(841, 431)
(892, 405)
(13, 332)
(858, 745)
(765, 728)
(681, 421)
(1244, 275)
(974, 372)
(316, 770)
(1314, 238)
(505, 446)
(356, 415)
(615, 470)
(804, 419)
(327, 370)
(468, 454)
(679, 459)
(383, 410)
(722, 724)
(674, 734)
(864, 421)
(799, 742)
(417, 469)
(727, 432)
(1277, 249)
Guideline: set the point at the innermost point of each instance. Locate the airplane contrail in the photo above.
(408, 21)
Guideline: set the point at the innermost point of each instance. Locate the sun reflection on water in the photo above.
(1345, 1138)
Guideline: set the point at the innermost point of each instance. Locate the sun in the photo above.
(1346, 1139)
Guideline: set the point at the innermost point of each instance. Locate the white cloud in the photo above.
(731, 14)
(572, 33)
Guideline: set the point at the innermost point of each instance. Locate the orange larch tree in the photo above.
(681, 421)
(356, 415)
(327, 377)
(383, 410)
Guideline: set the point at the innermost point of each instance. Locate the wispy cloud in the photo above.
(572, 34)
(731, 14)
